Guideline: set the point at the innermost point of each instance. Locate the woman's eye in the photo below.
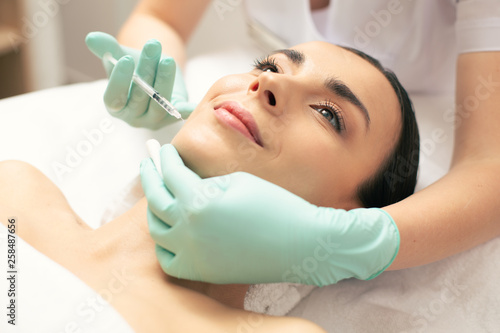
(327, 114)
(270, 69)
(266, 65)
(333, 115)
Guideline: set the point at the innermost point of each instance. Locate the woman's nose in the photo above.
(267, 89)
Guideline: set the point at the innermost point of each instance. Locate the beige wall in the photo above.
(79, 17)
(82, 16)
(58, 54)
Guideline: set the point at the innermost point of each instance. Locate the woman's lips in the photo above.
(235, 116)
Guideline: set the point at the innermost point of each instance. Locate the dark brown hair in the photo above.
(396, 178)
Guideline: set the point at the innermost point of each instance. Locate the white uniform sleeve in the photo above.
(478, 25)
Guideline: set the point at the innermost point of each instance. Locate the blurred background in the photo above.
(42, 41)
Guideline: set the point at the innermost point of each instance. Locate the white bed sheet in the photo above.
(50, 299)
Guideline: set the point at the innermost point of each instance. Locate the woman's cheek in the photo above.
(319, 166)
(229, 84)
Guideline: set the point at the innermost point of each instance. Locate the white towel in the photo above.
(457, 294)
(49, 298)
(275, 299)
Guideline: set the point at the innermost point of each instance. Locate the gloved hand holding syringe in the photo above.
(162, 101)
(135, 74)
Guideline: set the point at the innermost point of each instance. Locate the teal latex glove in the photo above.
(123, 98)
(239, 228)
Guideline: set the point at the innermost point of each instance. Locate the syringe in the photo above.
(162, 101)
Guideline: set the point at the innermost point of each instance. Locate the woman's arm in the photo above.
(462, 209)
(169, 21)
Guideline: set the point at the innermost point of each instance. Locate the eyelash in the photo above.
(267, 63)
(335, 112)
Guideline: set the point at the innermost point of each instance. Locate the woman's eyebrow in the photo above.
(335, 85)
(296, 57)
(340, 89)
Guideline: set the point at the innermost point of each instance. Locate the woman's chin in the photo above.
(201, 161)
(208, 154)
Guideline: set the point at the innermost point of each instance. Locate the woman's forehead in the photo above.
(325, 60)
(331, 53)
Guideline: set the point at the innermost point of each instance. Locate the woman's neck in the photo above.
(127, 238)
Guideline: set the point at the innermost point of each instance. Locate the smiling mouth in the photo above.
(234, 115)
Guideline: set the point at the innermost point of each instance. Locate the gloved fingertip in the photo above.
(100, 43)
(154, 41)
(168, 149)
(127, 58)
(90, 41)
(92, 36)
(89, 37)
(97, 34)
(125, 66)
(152, 48)
(94, 40)
(168, 62)
(113, 108)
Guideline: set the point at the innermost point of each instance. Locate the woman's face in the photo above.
(316, 120)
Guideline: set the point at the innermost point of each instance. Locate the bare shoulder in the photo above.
(23, 185)
(42, 210)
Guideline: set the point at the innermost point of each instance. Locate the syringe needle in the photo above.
(162, 101)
